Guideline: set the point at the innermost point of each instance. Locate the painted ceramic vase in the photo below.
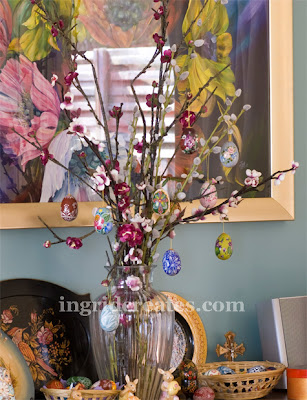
(171, 262)
(103, 221)
(189, 141)
(160, 202)
(223, 247)
(208, 194)
(229, 155)
(188, 377)
(69, 208)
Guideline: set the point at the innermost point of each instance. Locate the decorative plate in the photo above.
(12, 360)
(190, 340)
(54, 343)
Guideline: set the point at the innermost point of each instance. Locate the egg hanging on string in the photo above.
(189, 141)
(223, 247)
(109, 318)
(103, 221)
(171, 262)
(69, 208)
(160, 202)
(229, 155)
(208, 194)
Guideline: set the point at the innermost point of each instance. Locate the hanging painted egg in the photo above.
(103, 221)
(189, 141)
(229, 154)
(160, 202)
(69, 208)
(109, 318)
(223, 247)
(171, 262)
(208, 194)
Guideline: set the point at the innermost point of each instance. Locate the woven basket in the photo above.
(64, 394)
(242, 384)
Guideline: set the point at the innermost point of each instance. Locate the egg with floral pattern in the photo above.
(103, 221)
(212, 372)
(160, 202)
(208, 194)
(109, 318)
(171, 262)
(189, 141)
(229, 154)
(69, 208)
(223, 247)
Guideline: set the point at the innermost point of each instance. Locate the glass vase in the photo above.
(143, 340)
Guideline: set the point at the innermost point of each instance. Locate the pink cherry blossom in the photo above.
(45, 156)
(101, 178)
(134, 255)
(70, 77)
(252, 178)
(167, 56)
(54, 78)
(28, 103)
(134, 283)
(74, 243)
(121, 189)
(138, 147)
(159, 40)
(152, 100)
(279, 179)
(128, 233)
(77, 127)
(187, 119)
(158, 14)
(234, 200)
(47, 244)
(116, 112)
(294, 166)
(68, 101)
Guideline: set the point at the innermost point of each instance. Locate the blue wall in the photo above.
(269, 259)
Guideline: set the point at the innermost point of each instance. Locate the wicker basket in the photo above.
(64, 394)
(242, 384)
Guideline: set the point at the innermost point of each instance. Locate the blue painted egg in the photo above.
(109, 318)
(225, 370)
(171, 262)
(229, 154)
(103, 221)
(255, 369)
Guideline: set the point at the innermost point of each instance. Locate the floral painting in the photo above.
(42, 342)
(35, 76)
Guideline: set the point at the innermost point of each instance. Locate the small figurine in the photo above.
(167, 378)
(129, 390)
(172, 390)
(230, 349)
(75, 395)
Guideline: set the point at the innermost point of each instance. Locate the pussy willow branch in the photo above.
(82, 55)
(60, 240)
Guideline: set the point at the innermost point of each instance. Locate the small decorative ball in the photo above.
(212, 372)
(160, 202)
(188, 377)
(229, 155)
(204, 393)
(171, 262)
(54, 384)
(109, 318)
(208, 194)
(189, 141)
(255, 369)
(225, 370)
(103, 221)
(107, 385)
(69, 208)
(223, 247)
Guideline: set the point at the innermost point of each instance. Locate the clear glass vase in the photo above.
(143, 339)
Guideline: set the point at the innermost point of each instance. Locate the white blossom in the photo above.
(199, 42)
(162, 99)
(168, 109)
(238, 92)
(216, 150)
(224, 2)
(247, 107)
(199, 22)
(230, 131)
(184, 75)
(233, 117)
(184, 176)
(174, 48)
(228, 102)
(213, 39)
(226, 117)
(135, 141)
(197, 161)
(214, 139)
(193, 55)
(202, 142)
(195, 174)
(177, 69)
(181, 196)
(173, 62)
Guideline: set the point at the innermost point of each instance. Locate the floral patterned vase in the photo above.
(132, 331)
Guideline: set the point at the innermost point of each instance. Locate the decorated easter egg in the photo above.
(160, 202)
(229, 154)
(255, 369)
(223, 247)
(208, 194)
(86, 382)
(225, 370)
(212, 372)
(109, 318)
(103, 221)
(54, 384)
(171, 262)
(204, 393)
(188, 377)
(189, 141)
(69, 208)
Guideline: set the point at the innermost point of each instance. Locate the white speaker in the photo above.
(283, 332)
